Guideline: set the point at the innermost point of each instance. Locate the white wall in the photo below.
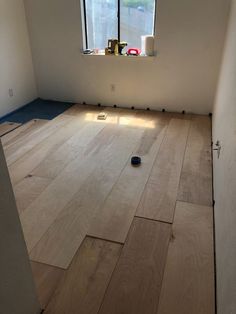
(16, 68)
(224, 129)
(17, 291)
(182, 76)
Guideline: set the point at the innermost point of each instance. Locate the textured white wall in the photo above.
(16, 68)
(224, 129)
(17, 292)
(182, 76)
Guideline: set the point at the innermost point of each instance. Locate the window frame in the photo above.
(85, 28)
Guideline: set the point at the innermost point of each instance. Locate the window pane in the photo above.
(102, 22)
(136, 19)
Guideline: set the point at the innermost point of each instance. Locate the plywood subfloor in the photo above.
(98, 229)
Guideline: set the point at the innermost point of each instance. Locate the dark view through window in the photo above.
(136, 19)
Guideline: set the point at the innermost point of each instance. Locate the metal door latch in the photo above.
(218, 148)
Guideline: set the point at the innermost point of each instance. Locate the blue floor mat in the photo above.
(37, 109)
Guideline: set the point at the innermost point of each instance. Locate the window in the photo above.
(126, 20)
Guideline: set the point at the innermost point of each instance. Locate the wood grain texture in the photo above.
(54, 163)
(8, 127)
(46, 280)
(116, 215)
(196, 177)
(188, 283)
(63, 238)
(160, 194)
(84, 283)
(27, 190)
(136, 282)
(38, 217)
(31, 139)
(25, 164)
(11, 137)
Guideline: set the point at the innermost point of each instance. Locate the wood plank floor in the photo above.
(159, 197)
(47, 278)
(106, 237)
(136, 282)
(84, 284)
(8, 127)
(196, 176)
(188, 284)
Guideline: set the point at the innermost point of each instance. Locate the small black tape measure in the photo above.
(136, 161)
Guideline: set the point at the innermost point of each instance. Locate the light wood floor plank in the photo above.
(188, 284)
(25, 164)
(46, 280)
(37, 218)
(12, 136)
(160, 194)
(61, 241)
(136, 282)
(116, 215)
(51, 166)
(8, 127)
(27, 142)
(196, 177)
(84, 283)
(27, 190)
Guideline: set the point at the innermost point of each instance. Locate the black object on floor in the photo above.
(136, 161)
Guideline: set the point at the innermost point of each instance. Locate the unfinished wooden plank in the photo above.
(37, 218)
(27, 190)
(116, 215)
(84, 284)
(25, 164)
(188, 283)
(136, 282)
(160, 194)
(75, 147)
(46, 280)
(63, 238)
(196, 177)
(27, 142)
(8, 127)
(28, 127)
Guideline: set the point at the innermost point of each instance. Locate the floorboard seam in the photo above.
(54, 266)
(206, 205)
(103, 239)
(152, 219)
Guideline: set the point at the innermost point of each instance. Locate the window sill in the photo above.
(118, 56)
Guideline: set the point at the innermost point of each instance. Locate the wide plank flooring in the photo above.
(7, 127)
(136, 282)
(83, 286)
(188, 284)
(46, 280)
(104, 236)
(159, 197)
(196, 176)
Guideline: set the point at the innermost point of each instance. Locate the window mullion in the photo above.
(118, 20)
(85, 24)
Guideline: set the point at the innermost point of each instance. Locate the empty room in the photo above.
(117, 156)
